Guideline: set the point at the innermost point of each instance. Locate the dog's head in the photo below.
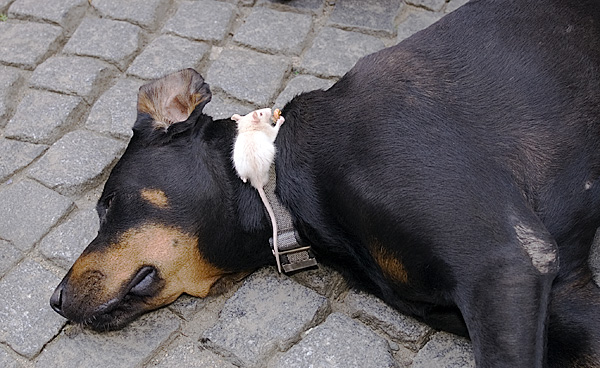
(169, 220)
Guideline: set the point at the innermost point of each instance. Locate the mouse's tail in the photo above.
(265, 200)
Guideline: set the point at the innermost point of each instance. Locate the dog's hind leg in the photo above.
(574, 332)
(505, 293)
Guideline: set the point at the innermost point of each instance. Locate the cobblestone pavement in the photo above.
(69, 74)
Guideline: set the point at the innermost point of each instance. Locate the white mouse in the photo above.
(253, 154)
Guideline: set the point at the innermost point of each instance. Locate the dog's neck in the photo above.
(293, 256)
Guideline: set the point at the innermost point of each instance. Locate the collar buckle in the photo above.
(293, 256)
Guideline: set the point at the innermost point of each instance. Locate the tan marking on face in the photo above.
(156, 197)
(171, 251)
(391, 266)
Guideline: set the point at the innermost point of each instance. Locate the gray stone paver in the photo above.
(42, 117)
(323, 280)
(204, 20)
(269, 30)
(445, 351)
(339, 342)
(9, 256)
(62, 12)
(257, 82)
(6, 360)
(188, 354)
(65, 242)
(182, 53)
(219, 108)
(110, 40)
(376, 313)
(323, 57)
(454, 4)
(313, 5)
(28, 210)
(376, 16)
(80, 76)
(4, 4)
(10, 81)
(435, 5)
(27, 322)
(268, 312)
(26, 44)
(76, 161)
(15, 155)
(416, 21)
(125, 348)
(187, 306)
(146, 13)
(115, 110)
(69, 75)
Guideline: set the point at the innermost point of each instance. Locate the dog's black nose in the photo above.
(56, 300)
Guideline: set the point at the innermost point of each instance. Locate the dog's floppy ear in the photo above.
(172, 98)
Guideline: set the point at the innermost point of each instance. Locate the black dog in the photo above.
(455, 176)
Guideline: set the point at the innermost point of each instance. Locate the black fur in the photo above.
(450, 155)
(437, 148)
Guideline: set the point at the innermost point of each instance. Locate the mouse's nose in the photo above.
(56, 299)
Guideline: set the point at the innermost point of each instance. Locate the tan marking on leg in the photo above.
(155, 197)
(171, 251)
(391, 266)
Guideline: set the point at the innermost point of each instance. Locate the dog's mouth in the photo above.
(84, 308)
(115, 319)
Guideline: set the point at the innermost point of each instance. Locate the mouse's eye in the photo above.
(261, 114)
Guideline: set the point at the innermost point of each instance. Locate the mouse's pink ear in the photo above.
(172, 98)
(236, 117)
(255, 117)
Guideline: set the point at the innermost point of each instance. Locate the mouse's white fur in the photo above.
(253, 154)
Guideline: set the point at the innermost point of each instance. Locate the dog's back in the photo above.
(459, 169)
